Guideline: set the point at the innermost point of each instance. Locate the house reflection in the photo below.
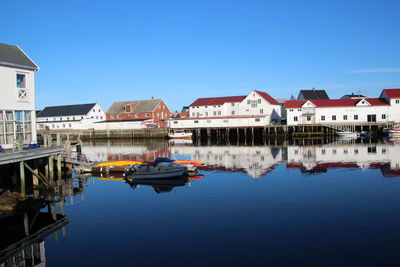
(109, 150)
(254, 161)
(258, 161)
(316, 159)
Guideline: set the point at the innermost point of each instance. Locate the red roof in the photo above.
(392, 93)
(326, 103)
(267, 97)
(212, 101)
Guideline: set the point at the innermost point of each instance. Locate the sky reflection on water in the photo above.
(277, 206)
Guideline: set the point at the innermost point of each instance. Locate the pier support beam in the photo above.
(22, 177)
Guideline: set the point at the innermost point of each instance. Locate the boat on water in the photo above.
(161, 169)
(180, 135)
(122, 166)
(347, 134)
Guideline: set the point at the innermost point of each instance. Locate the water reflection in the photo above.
(259, 161)
(159, 185)
(23, 231)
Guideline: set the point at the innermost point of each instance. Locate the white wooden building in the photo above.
(255, 109)
(70, 117)
(338, 111)
(17, 96)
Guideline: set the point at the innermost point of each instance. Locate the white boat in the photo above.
(348, 134)
(180, 135)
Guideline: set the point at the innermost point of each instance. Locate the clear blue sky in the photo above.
(105, 51)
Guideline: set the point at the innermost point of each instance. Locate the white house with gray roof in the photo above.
(17, 96)
(70, 117)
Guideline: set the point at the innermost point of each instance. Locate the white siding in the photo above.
(10, 101)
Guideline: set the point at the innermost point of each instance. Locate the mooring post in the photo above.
(51, 170)
(59, 167)
(26, 224)
(22, 176)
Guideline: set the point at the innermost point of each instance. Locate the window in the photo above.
(208, 121)
(355, 117)
(372, 150)
(259, 101)
(345, 117)
(193, 114)
(112, 117)
(355, 151)
(397, 101)
(371, 118)
(215, 113)
(290, 109)
(383, 150)
(226, 121)
(333, 117)
(299, 109)
(345, 151)
(197, 114)
(261, 111)
(175, 122)
(233, 112)
(205, 106)
(334, 151)
(295, 118)
(206, 113)
(67, 118)
(308, 118)
(322, 118)
(383, 116)
(219, 112)
(21, 81)
(257, 119)
(232, 104)
(323, 151)
(99, 110)
(119, 116)
(138, 115)
(63, 125)
(60, 119)
(196, 121)
(248, 101)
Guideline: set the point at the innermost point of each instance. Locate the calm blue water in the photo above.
(254, 206)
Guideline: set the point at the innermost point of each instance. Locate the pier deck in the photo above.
(9, 157)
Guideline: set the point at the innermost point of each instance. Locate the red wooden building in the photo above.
(152, 110)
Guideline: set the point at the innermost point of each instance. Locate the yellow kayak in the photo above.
(133, 162)
(119, 163)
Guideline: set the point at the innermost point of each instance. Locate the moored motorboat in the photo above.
(122, 166)
(180, 135)
(161, 169)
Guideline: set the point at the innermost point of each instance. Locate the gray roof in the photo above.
(352, 95)
(58, 111)
(13, 56)
(141, 106)
(312, 94)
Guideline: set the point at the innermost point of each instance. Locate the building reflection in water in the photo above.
(259, 161)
